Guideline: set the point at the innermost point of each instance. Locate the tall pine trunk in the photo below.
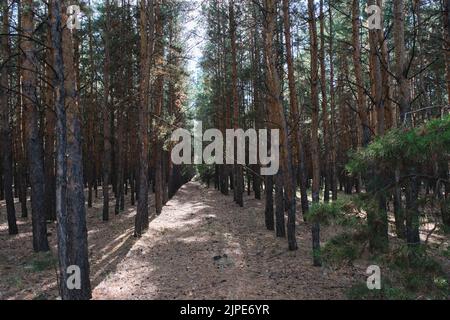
(77, 252)
(91, 118)
(33, 140)
(107, 135)
(238, 172)
(276, 113)
(20, 134)
(50, 122)
(159, 99)
(293, 103)
(325, 121)
(144, 86)
(334, 145)
(70, 208)
(315, 156)
(404, 98)
(361, 99)
(6, 144)
(279, 205)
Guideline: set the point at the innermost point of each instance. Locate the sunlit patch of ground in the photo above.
(203, 246)
(27, 275)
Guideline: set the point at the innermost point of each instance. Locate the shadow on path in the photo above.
(203, 246)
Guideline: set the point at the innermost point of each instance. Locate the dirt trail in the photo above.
(203, 246)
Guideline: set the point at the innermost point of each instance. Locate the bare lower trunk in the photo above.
(293, 103)
(334, 177)
(325, 121)
(412, 210)
(6, 144)
(276, 113)
(238, 172)
(70, 208)
(268, 213)
(314, 128)
(279, 204)
(159, 98)
(106, 120)
(142, 208)
(33, 140)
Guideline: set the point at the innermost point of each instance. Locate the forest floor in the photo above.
(28, 275)
(202, 246)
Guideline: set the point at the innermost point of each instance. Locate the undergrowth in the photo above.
(409, 274)
(406, 272)
(41, 262)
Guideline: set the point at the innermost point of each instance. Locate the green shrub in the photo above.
(322, 212)
(41, 262)
(418, 272)
(416, 259)
(387, 292)
(403, 146)
(344, 248)
(341, 212)
(446, 252)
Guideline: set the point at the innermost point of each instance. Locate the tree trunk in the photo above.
(279, 205)
(276, 113)
(314, 128)
(412, 211)
(106, 119)
(293, 103)
(50, 123)
(388, 111)
(258, 106)
(325, 123)
(334, 179)
(238, 172)
(5, 130)
(144, 86)
(91, 117)
(20, 134)
(31, 114)
(361, 100)
(159, 98)
(268, 213)
(120, 162)
(70, 209)
(77, 253)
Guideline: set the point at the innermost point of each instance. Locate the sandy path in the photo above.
(203, 246)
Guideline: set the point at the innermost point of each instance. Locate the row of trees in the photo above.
(95, 107)
(316, 71)
(89, 107)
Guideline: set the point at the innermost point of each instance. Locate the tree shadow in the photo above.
(109, 242)
(206, 247)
